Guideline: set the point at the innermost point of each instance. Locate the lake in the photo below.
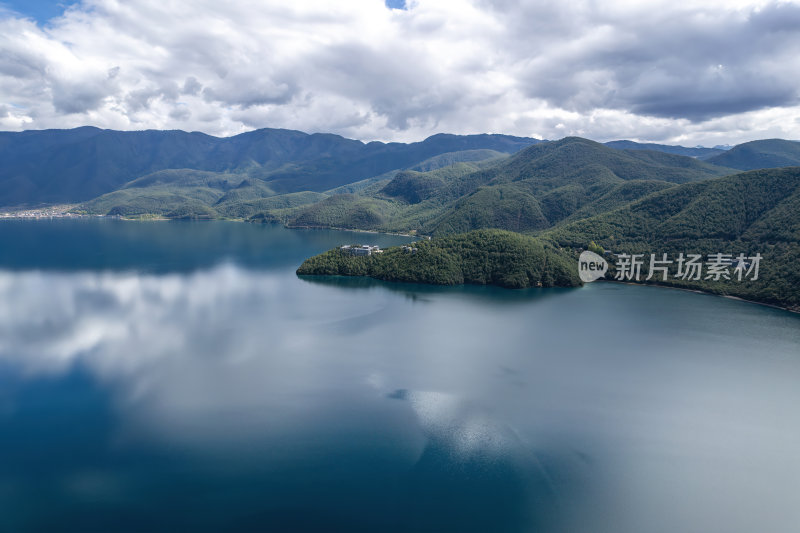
(178, 376)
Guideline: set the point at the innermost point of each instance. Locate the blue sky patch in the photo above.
(39, 10)
(396, 4)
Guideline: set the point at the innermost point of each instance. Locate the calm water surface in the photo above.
(180, 377)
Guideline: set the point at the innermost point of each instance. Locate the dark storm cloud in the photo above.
(78, 97)
(249, 92)
(180, 113)
(191, 86)
(141, 99)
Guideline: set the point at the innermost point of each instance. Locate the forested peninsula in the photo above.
(482, 257)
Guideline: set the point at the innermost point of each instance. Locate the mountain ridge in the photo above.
(700, 152)
(764, 153)
(64, 166)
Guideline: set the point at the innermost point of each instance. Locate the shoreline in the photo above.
(354, 230)
(148, 218)
(700, 291)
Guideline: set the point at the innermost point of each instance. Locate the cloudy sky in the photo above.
(690, 72)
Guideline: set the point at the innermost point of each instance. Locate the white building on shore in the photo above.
(364, 249)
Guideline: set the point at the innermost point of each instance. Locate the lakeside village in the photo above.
(53, 211)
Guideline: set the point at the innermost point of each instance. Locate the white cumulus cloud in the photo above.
(691, 72)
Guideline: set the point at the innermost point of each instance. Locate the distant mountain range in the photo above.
(698, 152)
(58, 166)
(570, 193)
(768, 153)
(68, 166)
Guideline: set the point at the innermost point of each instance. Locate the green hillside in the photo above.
(344, 211)
(189, 193)
(618, 196)
(249, 208)
(451, 158)
(409, 202)
(485, 257)
(508, 206)
(414, 187)
(556, 162)
(766, 153)
(749, 213)
(178, 192)
(556, 180)
(532, 190)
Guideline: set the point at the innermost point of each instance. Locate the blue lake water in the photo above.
(171, 376)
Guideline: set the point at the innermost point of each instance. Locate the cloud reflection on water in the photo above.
(265, 372)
